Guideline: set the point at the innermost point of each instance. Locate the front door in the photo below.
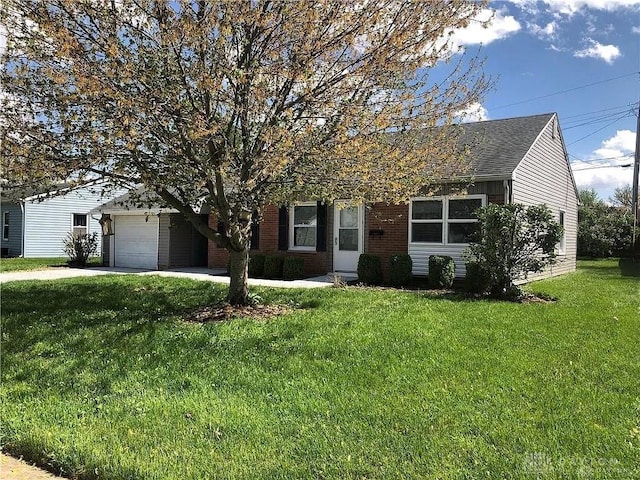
(348, 238)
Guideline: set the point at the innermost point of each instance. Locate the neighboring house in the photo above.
(35, 224)
(142, 234)
(517, 160)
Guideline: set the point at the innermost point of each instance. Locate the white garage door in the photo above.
(136, 241)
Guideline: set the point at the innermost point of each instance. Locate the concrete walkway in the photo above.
(15, 469)
(203, 274)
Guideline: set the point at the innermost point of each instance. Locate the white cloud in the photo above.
(608, 53)
(635, 30)
(609, 160)
(571, 7)
(500, 27)
(475, 112)
(548, 31)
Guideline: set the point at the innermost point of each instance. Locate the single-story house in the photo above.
(35, 224)
(143, 234)
(516, 160)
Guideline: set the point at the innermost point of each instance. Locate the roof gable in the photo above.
(496, 147)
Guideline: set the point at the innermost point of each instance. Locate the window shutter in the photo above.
(321, 228)
(283, 229)
(255, 232)
(221, 230)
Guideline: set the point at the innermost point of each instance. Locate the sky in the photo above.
(578, 58)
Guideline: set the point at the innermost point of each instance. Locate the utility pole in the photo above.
(634, 189)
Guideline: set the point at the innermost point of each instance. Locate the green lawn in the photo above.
(101, 379)
(15, 264)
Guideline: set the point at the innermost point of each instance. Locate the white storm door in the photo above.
(348, 236)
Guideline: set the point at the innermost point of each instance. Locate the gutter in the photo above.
(23, 210)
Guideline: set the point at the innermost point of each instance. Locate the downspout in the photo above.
(507, 191)
(23, 210)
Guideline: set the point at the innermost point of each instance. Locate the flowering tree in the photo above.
(239, 103)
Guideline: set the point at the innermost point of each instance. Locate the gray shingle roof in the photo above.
(496, 147)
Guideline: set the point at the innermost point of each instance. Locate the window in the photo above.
(461, 219)
(426, 221)
(5, 225)
(303, 225)
(444, 219)
(79, 224)
(561, 245)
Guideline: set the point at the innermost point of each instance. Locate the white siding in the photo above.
(544, 176)
(420, 256)
(48, 222)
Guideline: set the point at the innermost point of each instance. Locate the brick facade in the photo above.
(315, 263)
(386, 233)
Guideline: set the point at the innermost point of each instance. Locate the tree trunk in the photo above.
(238, 277)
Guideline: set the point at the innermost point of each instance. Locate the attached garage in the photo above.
(153, 238)
(136, 241)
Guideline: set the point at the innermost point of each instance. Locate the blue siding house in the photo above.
(36, 224)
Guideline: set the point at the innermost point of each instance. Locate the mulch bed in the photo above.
(223, 311)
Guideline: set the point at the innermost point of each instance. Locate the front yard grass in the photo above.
(102, 379)
(19, 263)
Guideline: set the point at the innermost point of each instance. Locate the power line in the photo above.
(629, 105)
(603, 118)
(603, 166)
(598, 130)
(566, 91)
(601, 159)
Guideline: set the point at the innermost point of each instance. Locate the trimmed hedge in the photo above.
(293, 268)
(400, 267)
(442, 271)
(273, 265)
(477, 279)
(256, 265)
(369, 269)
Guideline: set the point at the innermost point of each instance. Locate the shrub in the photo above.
(603, 230)
(79, 247)
(400, 267)
(369, 269)
(442, 271)
(476, 279)
(293, 268)
(256, 265)
(273, 265)
(511, 241)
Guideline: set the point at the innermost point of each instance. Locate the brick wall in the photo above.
(393, 222)
(315, 263)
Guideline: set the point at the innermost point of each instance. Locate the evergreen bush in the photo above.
(369, 269)
(442, 271)
(293, 268)
(400, 267)
(273, 265)
(256, 265)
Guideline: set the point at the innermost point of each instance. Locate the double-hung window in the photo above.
(444, 220)
(79, 224)
(303, 219)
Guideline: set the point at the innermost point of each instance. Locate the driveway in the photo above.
(202, 274)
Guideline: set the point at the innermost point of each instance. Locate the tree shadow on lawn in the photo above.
(67, 328)
(82, 337)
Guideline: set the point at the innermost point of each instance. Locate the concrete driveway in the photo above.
(202, 274)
